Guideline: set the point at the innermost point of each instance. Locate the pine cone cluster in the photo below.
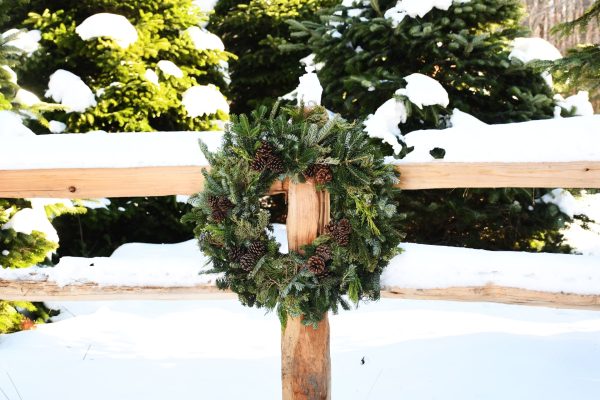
(320, 172)
(340, 231)
(255, 251)
(265, 158)
(316, 265)
(219, 207)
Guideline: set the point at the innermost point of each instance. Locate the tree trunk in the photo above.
(305, 358)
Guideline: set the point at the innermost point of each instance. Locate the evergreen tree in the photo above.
(254, 31)
(580, 68)
(367, 47)
(17, 249)
(135, 70)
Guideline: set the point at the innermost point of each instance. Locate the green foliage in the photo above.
(126, 100)
(254, 31)
(466, 49)
(580, 68)
(361, 192)
(17, 249)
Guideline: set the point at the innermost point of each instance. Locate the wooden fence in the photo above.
(305, 359)
(165, 180)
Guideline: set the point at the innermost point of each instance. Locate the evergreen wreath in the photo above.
(234, 231)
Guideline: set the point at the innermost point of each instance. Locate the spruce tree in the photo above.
(580, 68)
(17, 249)
(254, 30)
(134, 71)
(368, 47)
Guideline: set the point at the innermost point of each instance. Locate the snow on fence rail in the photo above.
(548, 153)
(563, 153)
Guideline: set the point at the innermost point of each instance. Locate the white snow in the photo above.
(95, 203)
(68, 89)
(203, 100)
(578, 103)
(204, 40)
(11, 127)
(419, 266)
(417, 8)
(151, 76)
(384, 123)
(27, 41)
(133, 149)
(169, 68)
(12, 74)
(528, 49)
(57, 126)
(557, 140)
(428, 267)
(182, 198)
(422, 90)
(205, 5)
(392, 349)
(460, 119)
(310, 65)
(309, 90)
(28, 220)
(563, 200)
(585, 241)
(113, 26)
(26, 98)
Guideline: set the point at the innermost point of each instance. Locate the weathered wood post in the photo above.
(305, 358)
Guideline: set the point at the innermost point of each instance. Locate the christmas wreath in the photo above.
(234, 230)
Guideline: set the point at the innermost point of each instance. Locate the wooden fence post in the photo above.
(305, 358)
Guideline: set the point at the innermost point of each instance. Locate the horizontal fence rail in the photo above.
(187, 180)
(34, 290)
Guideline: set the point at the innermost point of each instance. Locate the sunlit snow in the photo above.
(113, 26)
(203, 100)
(69, 90)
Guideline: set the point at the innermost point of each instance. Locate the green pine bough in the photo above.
(234, 231)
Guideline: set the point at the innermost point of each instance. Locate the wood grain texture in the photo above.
(499, 294)
(305, 356)
(81, 183)
(35, 290)
(449, 175)
(161, 181)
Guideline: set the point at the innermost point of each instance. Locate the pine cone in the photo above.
(213, 202)
(219, 215)
(236, 254)
(257, 249)
(224, 204)
(324, 252)
(275, 164)
(323, 174)
(247, 262)
(330, 228)
(342, 232)
(310, 171)
(262, 157)
(316, 265)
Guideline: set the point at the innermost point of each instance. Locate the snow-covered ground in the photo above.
(220, 350)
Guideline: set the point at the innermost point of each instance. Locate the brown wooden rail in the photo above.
(33, 290)
(159, 181)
